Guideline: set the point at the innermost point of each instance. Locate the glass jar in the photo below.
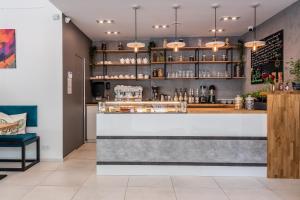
(238, 102)
(249, 103)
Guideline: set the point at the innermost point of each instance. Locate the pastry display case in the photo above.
(142, 107)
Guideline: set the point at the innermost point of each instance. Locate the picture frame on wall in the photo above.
(7, 48)
(268, 59)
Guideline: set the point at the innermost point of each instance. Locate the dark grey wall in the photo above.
(225, 88)
(288, 20)
(75, 49)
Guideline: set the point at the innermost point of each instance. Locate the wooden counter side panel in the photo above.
(284, 135)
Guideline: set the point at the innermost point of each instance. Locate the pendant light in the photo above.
(255, 43)
(135, 45)
(215, 45)
(176, 44)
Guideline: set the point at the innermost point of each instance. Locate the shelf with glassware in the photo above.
(163, 59)
(199, 57)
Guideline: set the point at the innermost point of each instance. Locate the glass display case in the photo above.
(142, 107)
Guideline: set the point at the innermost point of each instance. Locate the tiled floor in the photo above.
(75, 179)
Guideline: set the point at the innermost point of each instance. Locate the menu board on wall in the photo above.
(268, 59)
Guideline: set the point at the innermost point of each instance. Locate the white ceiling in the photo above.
(196, 16)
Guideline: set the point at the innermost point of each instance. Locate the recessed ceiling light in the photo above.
(163, 26)
(220, 30)
(105, 21)
(112, 32)
(229, 18)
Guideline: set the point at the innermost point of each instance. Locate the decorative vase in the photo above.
(272, 87)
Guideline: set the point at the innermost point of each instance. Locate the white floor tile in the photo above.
(28, 178)
(250, 194)
(66, 178)
(8, 192)
(141, 193)
(74, 164)
(90, 193)
(150, 181)
(194, 182)
(106, 181)
(200, 194)
(280, 184)
(288, 194)
(238, 183)
(51, 193)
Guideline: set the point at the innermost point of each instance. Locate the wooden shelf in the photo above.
(192, 48)
(121, 65)
(162, 49)
(195, 62)
(120, 79)
(122, 51)
(166, 78)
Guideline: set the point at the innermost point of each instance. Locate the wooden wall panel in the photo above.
(284, 135)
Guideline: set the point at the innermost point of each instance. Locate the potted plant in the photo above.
(295, 72)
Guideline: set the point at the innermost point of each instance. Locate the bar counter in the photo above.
(202, 141)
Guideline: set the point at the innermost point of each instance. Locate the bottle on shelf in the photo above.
(212, 94)
(176, 96)
(197, 99)
(185, 98)
(180, 98)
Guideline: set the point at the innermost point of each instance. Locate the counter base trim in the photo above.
(180, 138)
(164, 170)
(185, 164)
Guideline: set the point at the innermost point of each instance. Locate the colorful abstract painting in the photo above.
(7, 48)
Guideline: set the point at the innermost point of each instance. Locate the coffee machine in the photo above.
(212, 94)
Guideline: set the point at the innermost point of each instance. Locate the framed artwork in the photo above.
(7, 48)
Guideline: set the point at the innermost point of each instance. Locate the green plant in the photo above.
(295, 69)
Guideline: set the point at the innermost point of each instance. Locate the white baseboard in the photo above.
(180, 170)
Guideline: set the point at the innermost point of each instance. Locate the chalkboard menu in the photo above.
(268, 59)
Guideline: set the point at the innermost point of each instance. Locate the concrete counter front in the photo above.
(182, 144)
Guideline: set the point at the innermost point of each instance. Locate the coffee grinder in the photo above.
(203, 94)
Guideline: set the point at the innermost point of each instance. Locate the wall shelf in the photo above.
(120, 65)
(192, 48)
(165, 78)
(122, 51)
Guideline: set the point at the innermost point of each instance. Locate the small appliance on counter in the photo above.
(155, 93)
(211, 94)
(203, 94)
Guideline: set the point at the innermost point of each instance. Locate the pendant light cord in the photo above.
(215, 23)
(254, 28)
(135, 24)
(176, 23)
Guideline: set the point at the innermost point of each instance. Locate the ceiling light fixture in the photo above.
(176, 44)
(160, 26)
(220, 30)
(229, 18)
(254, 44)
(215, 44)
(112, 32)
(135, 45)
(105, 21)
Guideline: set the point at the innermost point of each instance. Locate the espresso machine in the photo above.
(212, 94)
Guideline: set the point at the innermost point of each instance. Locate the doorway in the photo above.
(73, 105)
